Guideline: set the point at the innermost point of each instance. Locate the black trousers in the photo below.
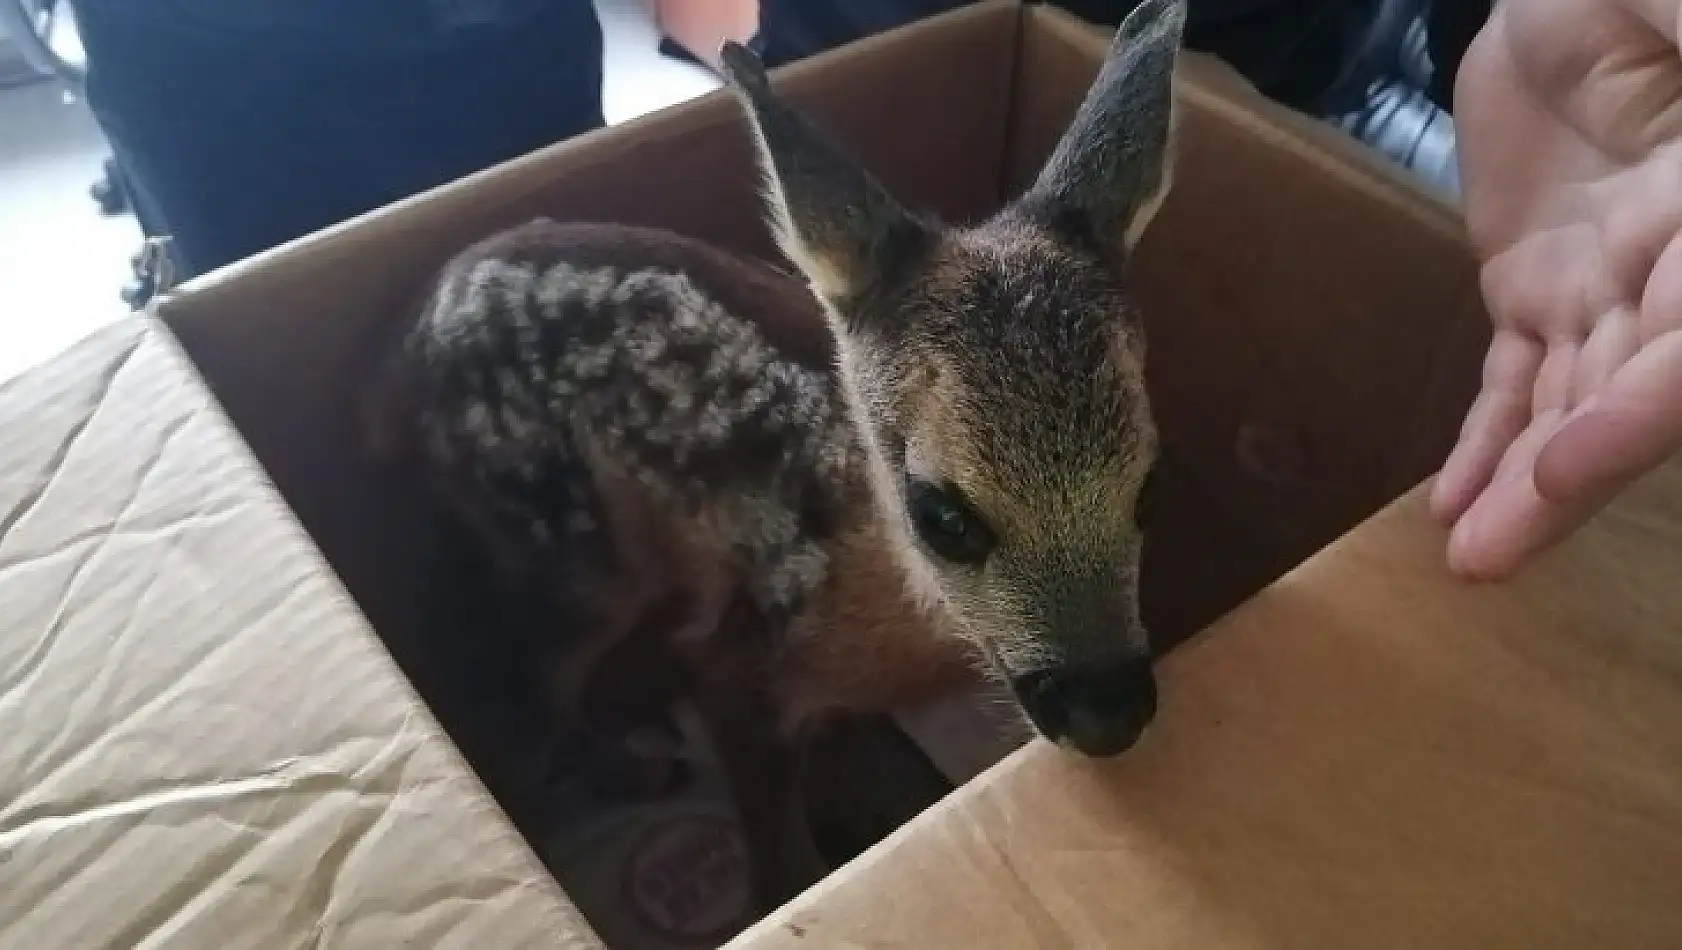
(237, 137)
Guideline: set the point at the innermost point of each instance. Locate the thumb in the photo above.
(1619, 434)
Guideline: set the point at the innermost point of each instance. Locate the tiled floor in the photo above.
(62, 264)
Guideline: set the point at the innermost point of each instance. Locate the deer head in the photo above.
(996, 374)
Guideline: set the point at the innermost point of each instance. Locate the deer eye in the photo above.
(950, 528)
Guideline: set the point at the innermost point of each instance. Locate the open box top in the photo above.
(1314, 322)
(1315, 334)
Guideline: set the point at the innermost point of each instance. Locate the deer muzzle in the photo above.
(1098, 711)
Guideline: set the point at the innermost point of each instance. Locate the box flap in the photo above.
(205, 745)
(1369, 754)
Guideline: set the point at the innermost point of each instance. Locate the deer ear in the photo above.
(1112, 168)
(833, 220)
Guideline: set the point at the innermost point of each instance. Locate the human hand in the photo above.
(1570, 122)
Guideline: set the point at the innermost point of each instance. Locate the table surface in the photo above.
(1370, 754)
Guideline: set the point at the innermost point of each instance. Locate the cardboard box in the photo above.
(202, 744)
(1315, 332)
(1370, 753)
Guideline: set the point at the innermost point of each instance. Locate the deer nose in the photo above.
(1099, 711)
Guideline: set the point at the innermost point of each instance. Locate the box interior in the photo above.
(1314, 323)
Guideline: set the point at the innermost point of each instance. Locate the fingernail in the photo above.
(1466, 556)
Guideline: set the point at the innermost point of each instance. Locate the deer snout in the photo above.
(1099, 711)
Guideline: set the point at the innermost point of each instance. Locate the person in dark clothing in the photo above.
(1345, 60)
(239, 127)
(1296, 51)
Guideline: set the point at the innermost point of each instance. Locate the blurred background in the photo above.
(218, 129)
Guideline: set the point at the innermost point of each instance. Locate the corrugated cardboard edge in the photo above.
(562, 918)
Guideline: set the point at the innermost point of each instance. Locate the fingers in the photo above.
(1555, 380)
(1500, 413)
(1632, 421)
(1628, 428)
(1567, 464)
(1615, 338)
(1510, 521)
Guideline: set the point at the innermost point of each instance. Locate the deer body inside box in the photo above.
(1314, 335)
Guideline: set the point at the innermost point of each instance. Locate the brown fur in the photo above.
(1002, 363)
(613, 412)
(531, 389)
(865, 644)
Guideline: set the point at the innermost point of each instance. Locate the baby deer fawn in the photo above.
(961, 490)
